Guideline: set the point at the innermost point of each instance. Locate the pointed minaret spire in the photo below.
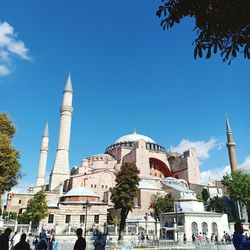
(60, 171)
(228, 128)
(41, 171)
(68, 86)
(46, 130)
(231, 146)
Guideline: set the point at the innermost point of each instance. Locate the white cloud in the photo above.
(4, 56)
(214, 174)
(218, 173)
(10, 46)
(4, 71)
(202, 147)
(246, 164)
(22, 187)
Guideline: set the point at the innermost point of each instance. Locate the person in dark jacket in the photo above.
(22, 244)
(100, 241)
(4, 239)
(239, 241)
(80, 243)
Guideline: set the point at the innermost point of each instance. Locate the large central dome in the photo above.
(134, 137)
(127, 141)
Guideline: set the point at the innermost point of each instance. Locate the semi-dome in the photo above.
(80, 191)
(134, 137)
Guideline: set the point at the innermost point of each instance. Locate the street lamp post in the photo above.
(146, 222)
(155, 226)
(86, 206)
(176, 221)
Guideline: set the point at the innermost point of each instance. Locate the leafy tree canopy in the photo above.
(217, 204)
(9, 164)
(127, 181)
(124, 192)
(222, 205)
(9, 215)
(163, 205)
(37, 208)
(205, 195)
(115, 221)
(199, 197)
(238, 186)
(222, 25)
(24, 218)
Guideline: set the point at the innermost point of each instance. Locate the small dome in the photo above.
(80, 191)
(134, 137)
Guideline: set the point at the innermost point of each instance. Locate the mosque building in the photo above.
(80, 197)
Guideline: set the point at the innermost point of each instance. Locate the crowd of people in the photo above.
(203, 238)
(45, 242)
(42, 242)
(240, 241)
(24, 242)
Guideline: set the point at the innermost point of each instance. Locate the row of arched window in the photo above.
(150, 146)
(204, 228)
(156, 147)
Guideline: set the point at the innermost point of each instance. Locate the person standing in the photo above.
(4, 239)
(22, 244)
(216, 239)
(35, 241)
(29, 240)
(14, 240)
(239, 241)
(212, 237)
(54, 244)
(80, 243)
(184, 238)
(193, 238)
(43, 243)
(100, 241)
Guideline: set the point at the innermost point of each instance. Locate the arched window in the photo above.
(194, 226)
(214, 228)
(204, 228)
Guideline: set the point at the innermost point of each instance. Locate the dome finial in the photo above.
(134, 131)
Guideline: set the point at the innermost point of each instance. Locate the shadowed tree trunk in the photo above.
(124, 214)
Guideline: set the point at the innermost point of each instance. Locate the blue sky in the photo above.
(126, 73)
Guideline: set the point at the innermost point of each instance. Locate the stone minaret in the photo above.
(60, 171)
(231, 147)
(41, 172)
